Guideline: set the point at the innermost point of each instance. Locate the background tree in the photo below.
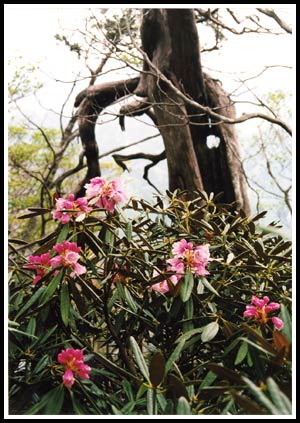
(109, 37)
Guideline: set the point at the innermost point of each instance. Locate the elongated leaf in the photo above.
(130, 301)
(76, 406)
(151, 402)
(248, 405)
(42, 363)
(208, 286)
(55, 400)
(31, 326)
(225, 373)
(209, 331)
(189, 309)
(260, 396)
(183, 407)
(188, 334)
(43, 339)
(32, 300)
(187, 286)
(208, 380)
(242, 352)
(287, 328)
(200, 287)
(129, 231)
(175, 355)
(63, 235)
(65, 303)
(175, 388)
(157, 368)
(49, 291)
(278, 397)
(139, 359)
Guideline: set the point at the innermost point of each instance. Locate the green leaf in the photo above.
(208, 380)
(129, 231)
(175, 355)
(32, 300)
(130, 301)
(43, 339)
(55, 400)
(186, 287)
(208, 286)
(76, 406)
(63, 235)
(183, 406)
(31, 326)
(200, 287)
(278, 397)
(287, 328)
(260, 396)
(188, 334)
(49, 291)
(151, 402)
(65, 303)
(209, 331)
(157, 368)
(139, 359)
(41, 364)
(189, 309)
(242, 352)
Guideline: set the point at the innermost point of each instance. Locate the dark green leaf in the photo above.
(49, 291)
(187, 286)
(65, 303)
(32, 300)
(55, 400)
(242, 352)
(63, 235)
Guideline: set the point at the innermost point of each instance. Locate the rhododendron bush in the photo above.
(171, 307)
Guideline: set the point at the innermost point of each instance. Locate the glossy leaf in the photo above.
(210, 331)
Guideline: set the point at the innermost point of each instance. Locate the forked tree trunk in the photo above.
(170, 39)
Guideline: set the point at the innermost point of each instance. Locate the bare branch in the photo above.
(273, 15)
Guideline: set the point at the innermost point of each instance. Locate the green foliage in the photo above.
(188, 351)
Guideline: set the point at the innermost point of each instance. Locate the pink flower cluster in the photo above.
(103, 193)
(68, 256)
(41, 264)
(186, 257)
(108, 194)
(73, 362)
(260, 310)
(67, 208)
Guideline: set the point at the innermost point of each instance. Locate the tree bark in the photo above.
(170, 39)
(92, 101)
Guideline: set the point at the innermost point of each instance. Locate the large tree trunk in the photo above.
(170, 39)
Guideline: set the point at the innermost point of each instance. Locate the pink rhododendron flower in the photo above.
(41, 264)
(68, 257)
(163, 286)
(260, 310)
(68, 208)
(186, 255)
(108, 193)
(73, 362)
